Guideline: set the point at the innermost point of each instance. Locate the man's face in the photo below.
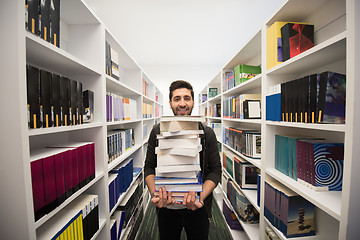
(181, 102)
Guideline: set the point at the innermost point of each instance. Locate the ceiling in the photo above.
(186, 39)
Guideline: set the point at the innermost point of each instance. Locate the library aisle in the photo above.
(218, 228)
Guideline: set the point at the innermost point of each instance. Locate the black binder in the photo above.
(33, 97)
(45, 97)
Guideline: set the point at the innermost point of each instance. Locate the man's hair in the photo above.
(180, 84)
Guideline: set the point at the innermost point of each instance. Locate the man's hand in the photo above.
(163, 200)
(190, 203)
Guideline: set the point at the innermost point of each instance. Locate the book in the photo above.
(331, 98)
(33, 97)
(241, 205)
(65, 100)
(213, 92)
(166, 143)
(164, 180)
(274, 52)
(192, 152)
(114, 58)
(252, 109)
(178, 168)
(181, 133)
(245, 173)
(182, 187)
(45, 98)
(242, 98)
(88, 106)
(108, 67)
(56, 100)
(73, 102)
(55, 22)
(231, 218)
(297, 215)
(244, 72)
(169, 159)
(296, 38)
(182, 119)
(273, 103)
(32, 13)
(79, 103)
(324, 162)
(187, 174)
(44, 19)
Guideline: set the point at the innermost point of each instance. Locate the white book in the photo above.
(162, 180)
(176, 126)
(189, 174)
(169, 159)
(178, 168)
(180, 151)
(181, 133)
(176, 136)
(178, 143)
(183, 118)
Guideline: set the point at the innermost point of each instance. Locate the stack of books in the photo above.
(178, 159)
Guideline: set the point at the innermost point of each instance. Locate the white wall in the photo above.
(183, 39)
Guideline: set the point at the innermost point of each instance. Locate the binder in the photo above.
(45, 98)
(33, 97)
(56, 100)
(79, 99)
(73, 102)
(44, 18)
(32, 21)
(55, 22)
(88, 106)
(65, 101)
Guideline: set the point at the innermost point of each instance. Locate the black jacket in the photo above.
(209, 158)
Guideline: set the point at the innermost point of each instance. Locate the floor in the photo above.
(149, 229)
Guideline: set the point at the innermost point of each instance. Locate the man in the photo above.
(190, 215)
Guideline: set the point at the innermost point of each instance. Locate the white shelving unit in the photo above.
(81, 57)
(336, 34)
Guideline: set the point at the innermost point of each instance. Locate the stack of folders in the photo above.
(178, 159)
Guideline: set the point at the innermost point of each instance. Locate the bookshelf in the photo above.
(335, 50)
(81, 57)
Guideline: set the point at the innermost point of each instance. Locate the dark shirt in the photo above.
(209, 158)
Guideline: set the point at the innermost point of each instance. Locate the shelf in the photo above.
(281, 235)
(250, 194)
(41, 221)
(252, 230)
(255, 162)
(214, 99)
(252, 85)
(54, 130)
(327, 52)
(102, 223)
(131, 189)
(252, 121)
(214, 118)
(329, 202)
(236, 234)
(122, 122)
(45, 55)
(118, 87)
(123, 156)
(147, 99)
(314, 126)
